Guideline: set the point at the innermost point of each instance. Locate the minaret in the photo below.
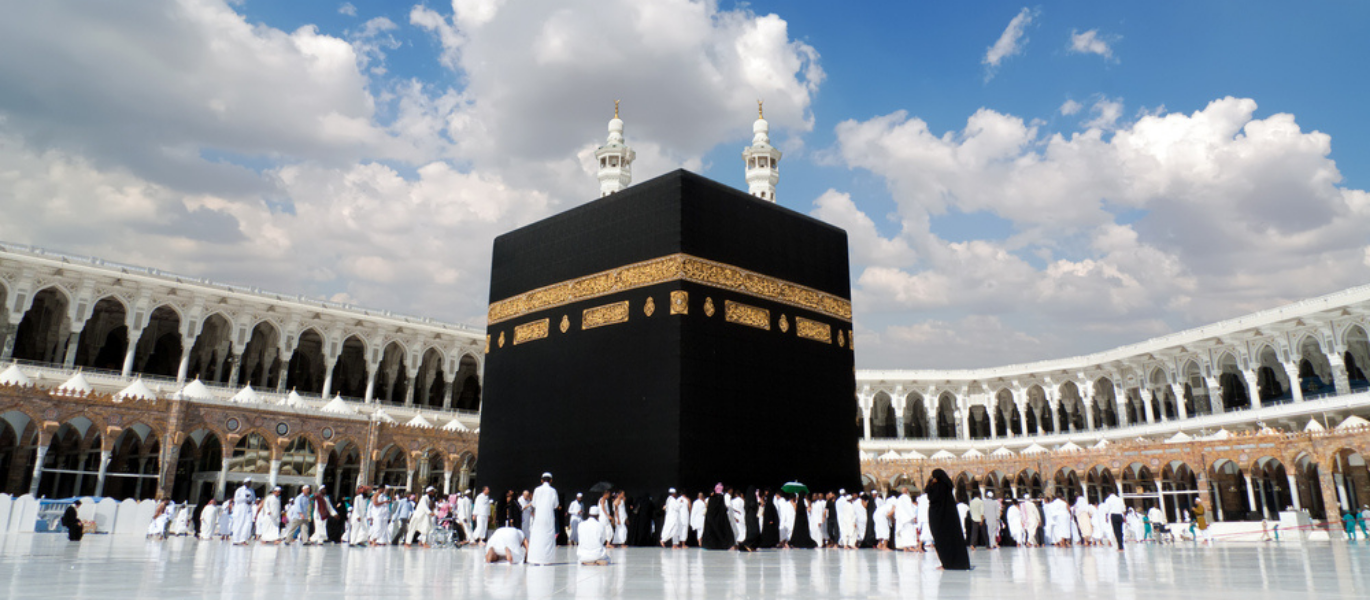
(762, 160)
(615, 159)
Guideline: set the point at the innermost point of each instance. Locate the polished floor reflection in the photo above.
(103, 566)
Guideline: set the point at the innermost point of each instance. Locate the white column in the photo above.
(1215, 395)
(409, 480)
(8, 330)
(38, 470)
(236, 361)
(1178, 390)
(1339, 376)
(447, 482)
(104, 470)
(1294, 492)
(932, 423)
(1147, 397)
(221, 487)
(370, 385)
(1291, 369)
(963, 417)
(73, 341)
(412, 392)
(1022, 416)
(1250, 493)
(185, 360)
(865, 420)
(318, 473)
(1253, 390)
(275, 473)
(328, 375)
(133, 338)
(899, 422)
(993, 423)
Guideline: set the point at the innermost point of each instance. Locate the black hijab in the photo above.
(868, 538)
(770, 526)
(718, 529)
(800, 538)
(753, 539)
(640, 519)
(945, 521)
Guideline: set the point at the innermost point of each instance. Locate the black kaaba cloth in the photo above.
(678, 333)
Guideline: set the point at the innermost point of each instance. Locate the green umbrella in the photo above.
(794, 487)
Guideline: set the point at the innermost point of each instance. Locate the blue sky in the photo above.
(1019, 181)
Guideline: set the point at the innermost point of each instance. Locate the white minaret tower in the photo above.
(615, 159)
(762, 160)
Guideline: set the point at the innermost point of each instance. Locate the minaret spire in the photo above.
(615, 159)
(761, 159)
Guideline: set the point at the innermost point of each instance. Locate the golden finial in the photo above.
(759, 113)
(615, 109)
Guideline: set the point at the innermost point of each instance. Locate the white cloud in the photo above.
(867, 246)
(1071, 107)
(1010, 43)
(1226, 213)
(347, 9)
(1091, 42)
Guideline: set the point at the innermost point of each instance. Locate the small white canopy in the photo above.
(194, 391)
(973, 453)
(247, 396)
(1352, 422)
(862, 455)
(1314, 426)
(76, 386)
(1034, 449)
(1178, 438)
(292, 399)
(1101, 444)
(136, 391)
(1222, 434)
(382, 416)
(891, 455)
(1069, 447)
(339, 406)
(914, 455)
(455, 425)
(419, 421)
(942, 455)
(1002, 451)
(13, 376)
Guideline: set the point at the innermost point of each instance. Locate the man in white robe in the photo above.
(784, 509)
(682, 526)
(1032, 519)
(993, 510)
(226, 521)
(526, 512)
(269, 517)
(846, 521)
(463, 517)
(671, 524)
(697, 511)
(321, 510)
(506, 543)
(209, 520)
(379, 514)
(736, 511)
(542, 536)
(481, 513)
(1057, 517)
(818, 519)
(924, 528)
(574, 518)
(358, 521)
(1014, 517)
(591, 551)
(905, 522)
(421, 522)
(243, 504)
(862, 516)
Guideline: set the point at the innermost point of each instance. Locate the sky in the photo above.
(1018, 182)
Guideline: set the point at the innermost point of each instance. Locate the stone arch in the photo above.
(916, 416)
(1099, 483)
(1309, 483)
(1272, 382)
(432, 381)
(1176, 476)
(251, 454)
(1270, 487)
(212, 353)
(392, 468)
(1235, 396)
(160, 346)
(1196, 393)
(978, 422)
(72, 462)
(103, 342)
(393, 378)
(1226, 478)
(1029, 483)
(1006, 414)
(42, 333)
(344, 468)
(1038, 411)
(1357, 356)
(946, 416)
(135, 462)
(197, 470)
(466, 395)
(305, 372)
(18, 449)
(1067, 484)
(1315, 370)
(1104, 403)
(883, 423)
(1072, 407)
(260, 365)
(350, 371)
(1350, 478)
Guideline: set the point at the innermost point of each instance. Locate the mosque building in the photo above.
(130, 382)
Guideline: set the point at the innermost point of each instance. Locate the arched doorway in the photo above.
(1181, 488)
(467, 394)
(1230, 485)
(1104, 403)
(42, 334)
(158, 351)
(349, 373)
(883, 423)
(1235, 396)
(432, 382)
(1271, 487)
(915, 416)
(1351, 478)
(305, 371)
(104, 339)
(261, 363)
(393, 381)
(134, 464)
(1099, 483)
(211, 354)
(393, 468)
(72, 463)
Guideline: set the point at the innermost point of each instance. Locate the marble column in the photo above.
(236, 362)
(1250, 493)
(1147, 397)
(328, 375)
(73, 342)
(38, 469)
(104, 471)
(1294, 492)
(133, 338)
(185, 360)
(274, 474)
(1253, 388)
(865, 421)
(1178, 390)
(1291, 370)
(221, 486)
(370, 386)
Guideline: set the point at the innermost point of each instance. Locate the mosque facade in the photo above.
(130, 382)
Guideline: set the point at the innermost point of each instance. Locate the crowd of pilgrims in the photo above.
(726, 519)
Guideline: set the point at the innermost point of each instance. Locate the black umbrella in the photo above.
(601, 487)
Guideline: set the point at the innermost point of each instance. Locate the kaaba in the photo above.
(677, 333)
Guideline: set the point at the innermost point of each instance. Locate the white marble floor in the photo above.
(112, 567)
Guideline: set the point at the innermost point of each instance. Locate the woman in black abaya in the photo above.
(800, 538)
(749, 508)
(945, 521)
(770, 525)
(718, 528)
